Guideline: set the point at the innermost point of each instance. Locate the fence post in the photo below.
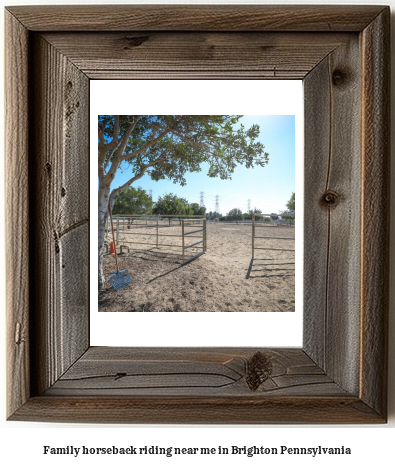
(204, 235)
(253, 234)
(117, 229)
(183, 241)
(157, 232)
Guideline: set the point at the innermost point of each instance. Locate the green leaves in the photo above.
(291, 203)
(132, 201)
(234, 214)
(290, 213)
(172, 145)
(170, 204)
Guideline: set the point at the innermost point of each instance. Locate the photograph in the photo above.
(196, 213)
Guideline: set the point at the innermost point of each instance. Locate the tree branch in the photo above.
(134, 154)
(101, 136)
(125, 138)
(116, 191)
(116, 161)
(104, 148)
(178, 134)
(116, 128)
(102, 159)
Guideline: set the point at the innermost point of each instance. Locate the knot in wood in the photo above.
(339, 77)
(135, 41)
(259, 369)
(330, 199)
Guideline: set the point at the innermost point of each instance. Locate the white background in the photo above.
(282, 97)
(21, 444)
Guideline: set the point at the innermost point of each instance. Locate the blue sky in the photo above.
(268, 188)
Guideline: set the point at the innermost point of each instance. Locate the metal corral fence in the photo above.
(125, 223)
(271, 223)
(254, 225)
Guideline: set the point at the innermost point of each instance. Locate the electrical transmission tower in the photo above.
(249, 205)
(217, 204)
(201, 199)
(150, 193)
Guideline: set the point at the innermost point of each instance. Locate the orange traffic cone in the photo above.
(112, 250)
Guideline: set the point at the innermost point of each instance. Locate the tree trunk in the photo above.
(104, 192)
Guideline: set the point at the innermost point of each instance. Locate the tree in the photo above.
(197, 209)
(291, 203)
(234, 214)
(166, 147)
(214, 215)
(289, 214)
(248, 215)
(132, 201)
(170, 204)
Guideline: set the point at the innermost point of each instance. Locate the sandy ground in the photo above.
(224, 279)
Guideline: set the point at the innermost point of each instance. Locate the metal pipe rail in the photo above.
(184, 221)
(187, 235)
(278, 238)
(271, 249)
(195, 231)
(145, 220)
(160, 235)
(272, 238)
(160, 216)
(146, 243)
(193, 244)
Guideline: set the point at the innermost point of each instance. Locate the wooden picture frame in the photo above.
(340, 374)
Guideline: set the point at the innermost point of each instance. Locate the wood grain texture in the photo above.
(61, 202)
(376, 200)
(339, 375)
(316, 154)
(17, 213)
(198, 410)
(196, 17)
(332, 211)
(191, 372)
(196, 55)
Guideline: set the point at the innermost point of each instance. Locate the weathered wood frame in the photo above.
(340, 374)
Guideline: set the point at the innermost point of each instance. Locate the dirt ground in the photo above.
(224, 279)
